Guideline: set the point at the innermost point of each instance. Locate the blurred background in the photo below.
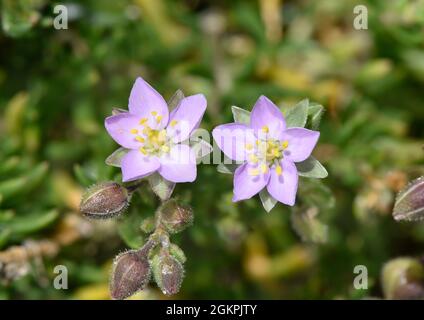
(57, 86)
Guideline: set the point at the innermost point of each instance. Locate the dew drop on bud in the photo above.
(409, 203)
(168, 273)
(175, 216)
(131, 273)
(104, 200)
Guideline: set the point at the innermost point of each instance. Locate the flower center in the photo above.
(153, 142)
(268, 153)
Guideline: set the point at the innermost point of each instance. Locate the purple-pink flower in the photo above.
(156, 137)
(268, 151)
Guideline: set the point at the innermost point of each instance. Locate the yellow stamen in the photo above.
(265, 129)
(140, 139)
(165, 148)
(143, 121)
(143, 151)
(134, 131)
(158, 119)
(173, 123)
(253, 158)
(264, 168)
(285, 144)
(278, 170)
(154, 113)
(253, 172)
(249, 146)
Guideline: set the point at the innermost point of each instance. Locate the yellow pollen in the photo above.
(249, 146)
(253, 172)
(265, 129)
(285, 144)
(165, 148)
(143, 121)
(264, 168)
(143, 151)
(134, 131)
(173, 123)
(253, 158)
(158, 119)
(257, 142)
(278, 170)
(154, 113)
(140, 139)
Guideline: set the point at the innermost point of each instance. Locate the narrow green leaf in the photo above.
(23, 184)
(297, 115)
(267, 200)
(311, 168)
(29, 223)
(240, 115)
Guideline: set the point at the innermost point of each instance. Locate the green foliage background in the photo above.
(57, 86)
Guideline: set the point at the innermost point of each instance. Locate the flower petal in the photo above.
(232, 139)
(135, 165)
(146, 102)
(119, 127)
(266, 116)
(186, 117)
(247, 185)
(301, 143)
(179, 165)
(283, 187)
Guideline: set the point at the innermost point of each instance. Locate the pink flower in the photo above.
(154, 136)
(268, 152)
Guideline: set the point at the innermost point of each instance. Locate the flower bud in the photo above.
(174, 216)
(131, 273)
(168, 273)
(104, 200)
(403, 279)
(410, 202)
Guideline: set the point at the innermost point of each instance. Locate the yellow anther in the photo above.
(257, 142)
(264, 168)
(143, 121)
(276, 152)
(139, 139)
(165, 148)
(153, 113)
(285, 144)
(249, 146)
(147, 131)
(134, 131)
(265, 129)
(173, 123)
(143, 151)
(253, 172)
(278, 170)
(159, 119)
(253, 158)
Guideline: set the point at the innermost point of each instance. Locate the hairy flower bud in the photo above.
(410, 202)
(168, 273)
(175, 216)
(131, 273)
(403, 279)
(104, 200)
